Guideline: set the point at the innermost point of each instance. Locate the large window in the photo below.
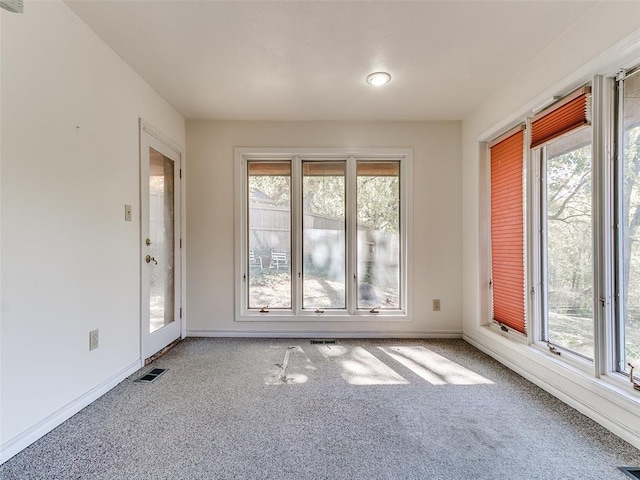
(628, 291)
(571, 283)
(378, 234)
(567, 243)
(561, 138)
(269, 232)
(322, 234)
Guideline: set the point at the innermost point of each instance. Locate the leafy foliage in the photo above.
(569, 247)
(569, 232)
(379, 203)
(630, 242)
(324, 195)
(273, 189)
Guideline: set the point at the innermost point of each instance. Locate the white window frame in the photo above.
(538, 191)
(296, 155)
(616, 328)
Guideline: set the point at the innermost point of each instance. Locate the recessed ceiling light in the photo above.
(378, 78)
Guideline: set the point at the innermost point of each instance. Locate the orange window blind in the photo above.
(507, 231)
(270, 168)
(562, 117)
(378, 168)
(324, 168)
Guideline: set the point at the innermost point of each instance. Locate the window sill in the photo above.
(536, 363)
(566, 357)
(327, 316)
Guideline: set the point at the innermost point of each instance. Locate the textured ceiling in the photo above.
(307, 60)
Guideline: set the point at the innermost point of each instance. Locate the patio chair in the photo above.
(279, 258)
(255, 261)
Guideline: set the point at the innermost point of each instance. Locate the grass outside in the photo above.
(576, 334)
(572, 332)
(272, 288)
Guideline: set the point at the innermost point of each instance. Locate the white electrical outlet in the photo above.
(436, 304)
(94, 339)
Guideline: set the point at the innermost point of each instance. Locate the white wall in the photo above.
(436, 234)
(70, 263)
(585, 49)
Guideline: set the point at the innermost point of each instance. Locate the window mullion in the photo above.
(406, 235)
(603, 243)
(618, 335)
(544, 294)
(533, 250)
(351, 283)
(296, 234)
(241, 180)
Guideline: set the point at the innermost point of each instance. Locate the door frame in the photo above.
(180, 245)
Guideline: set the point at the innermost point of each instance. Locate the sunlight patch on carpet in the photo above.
(359, 367)
(434, 368)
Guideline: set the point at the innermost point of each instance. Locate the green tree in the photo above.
(379, 203)
(569, 230)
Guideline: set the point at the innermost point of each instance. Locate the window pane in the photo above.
(569, 243)
(629, 328)
(323, 235)
(269, 234)
(378, 207)
(162, 247)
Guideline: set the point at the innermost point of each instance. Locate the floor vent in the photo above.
(323, 341)
(151, 375)
(631, 472)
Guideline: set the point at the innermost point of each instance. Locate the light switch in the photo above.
(127, 213)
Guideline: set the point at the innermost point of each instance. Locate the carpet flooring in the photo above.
(360, 409)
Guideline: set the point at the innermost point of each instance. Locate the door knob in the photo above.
(150, 259)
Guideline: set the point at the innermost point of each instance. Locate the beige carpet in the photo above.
(361, 409)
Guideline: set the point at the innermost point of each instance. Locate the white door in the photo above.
(160, 238)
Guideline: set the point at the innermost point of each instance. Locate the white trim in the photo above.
(568, 357)
(341, 316)
(484, 233)
(599, 400)
(318, 334)
(21, 441)
(150, 137)
(603, 227)
(532, 226)
(158, 135)
(352, 232)
(324, 153)
(183, 250)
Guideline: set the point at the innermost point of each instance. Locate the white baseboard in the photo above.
(320, 334)
(23, 440)
(588, 395)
